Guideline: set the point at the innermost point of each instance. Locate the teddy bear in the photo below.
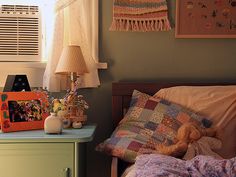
(186, 134)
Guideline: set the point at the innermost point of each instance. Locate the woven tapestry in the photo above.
(140, 15)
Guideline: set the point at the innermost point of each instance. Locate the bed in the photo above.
(121, 97)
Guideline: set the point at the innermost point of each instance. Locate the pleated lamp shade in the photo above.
(71, 61)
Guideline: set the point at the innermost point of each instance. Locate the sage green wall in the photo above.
(149, 56)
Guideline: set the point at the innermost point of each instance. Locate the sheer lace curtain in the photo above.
(76, 23)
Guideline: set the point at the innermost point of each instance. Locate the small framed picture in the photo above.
(22, 110)
(205, 19)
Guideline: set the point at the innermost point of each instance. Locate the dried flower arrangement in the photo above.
(71, 108)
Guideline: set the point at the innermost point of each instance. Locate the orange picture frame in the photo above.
(23, 110)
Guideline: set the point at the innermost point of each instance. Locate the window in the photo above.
(25, 28)
(33, 68)
(20, 33)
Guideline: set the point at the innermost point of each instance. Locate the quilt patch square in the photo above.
(172, 111)
(157, 117)
(183, 117)
(151, 125)
(135, 112)
(145, 115)
(161, 108)
(171, 123)
(135, 146)
(150, 104)
(114, 141)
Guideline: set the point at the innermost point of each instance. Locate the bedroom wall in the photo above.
(149, 57)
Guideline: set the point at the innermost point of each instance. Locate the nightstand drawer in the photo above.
(36, 154)
(37, 159)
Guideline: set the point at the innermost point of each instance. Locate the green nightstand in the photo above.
(36, 154)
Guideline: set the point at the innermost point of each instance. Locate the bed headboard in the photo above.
(122, 91)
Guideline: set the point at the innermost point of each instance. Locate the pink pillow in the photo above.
(218, 103)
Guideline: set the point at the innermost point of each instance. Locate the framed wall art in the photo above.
(22, 110)
(205, 19)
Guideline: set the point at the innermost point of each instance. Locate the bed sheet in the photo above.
(155, 165)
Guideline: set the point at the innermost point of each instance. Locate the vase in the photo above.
(53, 124)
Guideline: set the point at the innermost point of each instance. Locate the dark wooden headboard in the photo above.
(122, 91)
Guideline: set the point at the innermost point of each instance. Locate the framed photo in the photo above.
(205, 19)
(22, 110)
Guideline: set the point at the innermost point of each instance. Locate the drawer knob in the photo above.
(67, 172)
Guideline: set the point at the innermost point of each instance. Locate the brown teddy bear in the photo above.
(186, 134)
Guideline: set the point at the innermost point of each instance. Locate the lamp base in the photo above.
(73, 78)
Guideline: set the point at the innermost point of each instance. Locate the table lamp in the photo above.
(71, 63)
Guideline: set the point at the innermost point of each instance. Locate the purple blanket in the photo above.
(155, 165)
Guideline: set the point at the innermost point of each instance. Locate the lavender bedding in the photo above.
(155, 165)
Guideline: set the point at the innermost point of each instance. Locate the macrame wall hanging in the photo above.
(140, 15)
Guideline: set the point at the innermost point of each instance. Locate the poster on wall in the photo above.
(205, 19)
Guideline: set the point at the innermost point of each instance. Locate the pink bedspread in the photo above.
(155, 165)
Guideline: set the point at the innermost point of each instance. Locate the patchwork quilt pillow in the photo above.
(148, 122)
